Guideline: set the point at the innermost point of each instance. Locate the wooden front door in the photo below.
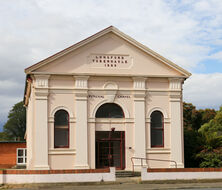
(110, 149)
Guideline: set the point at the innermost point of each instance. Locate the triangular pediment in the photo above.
(109, 52)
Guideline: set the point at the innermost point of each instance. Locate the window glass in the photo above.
(109, 110)
(157, 138)
(21, 156)
(20, 160)
(156, 119)
(157, 132)
(61, 137)
(61, 129)
(102, 135)
(61, 118)
(115, 135)
(20, 152)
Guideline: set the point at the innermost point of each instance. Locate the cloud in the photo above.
(204, 90)
(216, 56)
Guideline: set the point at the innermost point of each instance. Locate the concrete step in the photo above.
(122, 173)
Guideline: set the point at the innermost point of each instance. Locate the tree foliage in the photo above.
(3, 136)
(211, 134)
(193, 140)
(210, 158)
(192, 145)
(16, 125)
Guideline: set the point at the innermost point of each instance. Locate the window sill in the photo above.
(21, 164)
(62, 151)
(61, 147)
(158, 150)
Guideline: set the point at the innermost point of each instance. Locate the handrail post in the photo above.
(132, 163)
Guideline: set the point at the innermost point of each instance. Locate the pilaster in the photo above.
(41, 122)
(139, 117)
(81, 93)
(176, 114)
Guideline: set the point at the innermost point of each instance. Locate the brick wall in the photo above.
(76, 171)
(184, 170)
(8, 153)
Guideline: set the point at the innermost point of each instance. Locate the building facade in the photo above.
(101, 102)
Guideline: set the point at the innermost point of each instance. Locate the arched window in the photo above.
(61, 129)
(157, 129)
(109, 110)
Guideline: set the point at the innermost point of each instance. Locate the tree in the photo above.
(192, 145)
(191, 136)
(193, 140)
(210, 159)
(192, 117)
(3, 136)
(207, 115)
(15, 127)
(211, 133)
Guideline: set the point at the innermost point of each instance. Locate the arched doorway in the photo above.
(110, 145)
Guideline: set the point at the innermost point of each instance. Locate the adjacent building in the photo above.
(12, 154)
(101, 102)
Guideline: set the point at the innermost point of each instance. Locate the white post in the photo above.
(139, 119)
(81, 94)
(41, 122)
(1, 178)
(176, 112)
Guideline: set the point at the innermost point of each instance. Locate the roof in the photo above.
(117, 32)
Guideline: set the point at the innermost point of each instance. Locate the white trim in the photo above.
(61, 151)
(158, 150)
(24, 156)
(150, 176)
(125, 110)
(66, 90)
(157, 109)
(113, 86)
(57, 178)
(61, 108)
(109, 75)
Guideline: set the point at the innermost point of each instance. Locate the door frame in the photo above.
(109, 140)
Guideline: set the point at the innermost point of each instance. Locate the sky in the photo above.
(187, 32)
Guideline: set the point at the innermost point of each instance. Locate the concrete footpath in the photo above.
(125, 183)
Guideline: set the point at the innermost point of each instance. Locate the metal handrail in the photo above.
(141, 160)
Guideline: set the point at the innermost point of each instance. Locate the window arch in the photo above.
(109, 110)
(61, 129)
(157, 129)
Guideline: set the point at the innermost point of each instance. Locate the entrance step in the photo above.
(123, 173)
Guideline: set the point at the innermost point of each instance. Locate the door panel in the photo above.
(110, 149)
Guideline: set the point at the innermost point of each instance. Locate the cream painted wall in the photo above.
(62, 160)
(142, 64)
(63, 97)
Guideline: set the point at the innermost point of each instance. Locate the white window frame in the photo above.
(24, 156)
